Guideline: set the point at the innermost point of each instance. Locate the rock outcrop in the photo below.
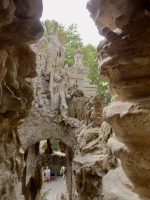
(124, 61)
(48, 119)
(54, 110)
(19, 24)
(62, 112)
(93, 159)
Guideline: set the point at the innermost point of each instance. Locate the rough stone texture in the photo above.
(48, 119)
(92, 158)
(104, 13)
(124, 61)
(56, 112)
(55, 56)
(64, 113)
(17, 62)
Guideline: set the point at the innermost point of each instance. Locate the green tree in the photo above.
(72, 42)
(54, 144)
(90, 60)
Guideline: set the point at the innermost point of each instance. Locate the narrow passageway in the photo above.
(56, 185)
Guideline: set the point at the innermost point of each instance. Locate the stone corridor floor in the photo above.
(56, 185)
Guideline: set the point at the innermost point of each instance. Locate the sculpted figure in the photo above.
(52, 56)
(38, 49)
(53, 49)
(55, 56)
(78, 58)
(62, 51)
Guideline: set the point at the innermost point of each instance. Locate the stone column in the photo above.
(124, 61)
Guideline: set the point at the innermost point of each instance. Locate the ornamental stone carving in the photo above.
(79, 75)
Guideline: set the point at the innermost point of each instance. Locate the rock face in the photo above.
(55, 109)
(19, 24)
(124, 61)
(61, 111)
(48, 119)
(93, 158)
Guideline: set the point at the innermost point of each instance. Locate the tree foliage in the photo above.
(90, 60)
(54, 144)
(72, 41)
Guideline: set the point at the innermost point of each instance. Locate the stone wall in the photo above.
(124, 61)
(48, 119)
(19, 24)
(62, 112)
(93, 158)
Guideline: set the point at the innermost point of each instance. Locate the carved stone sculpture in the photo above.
(55, 55)
(79, 75)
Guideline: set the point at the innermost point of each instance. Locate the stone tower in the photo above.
(79, 75)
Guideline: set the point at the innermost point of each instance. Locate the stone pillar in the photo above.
(124, 61)
(33, 174)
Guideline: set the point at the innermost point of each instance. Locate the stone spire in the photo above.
(78, 58)
(79, 75)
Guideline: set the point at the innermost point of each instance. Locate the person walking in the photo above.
(47, 174)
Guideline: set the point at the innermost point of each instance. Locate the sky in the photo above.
(69, 12)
